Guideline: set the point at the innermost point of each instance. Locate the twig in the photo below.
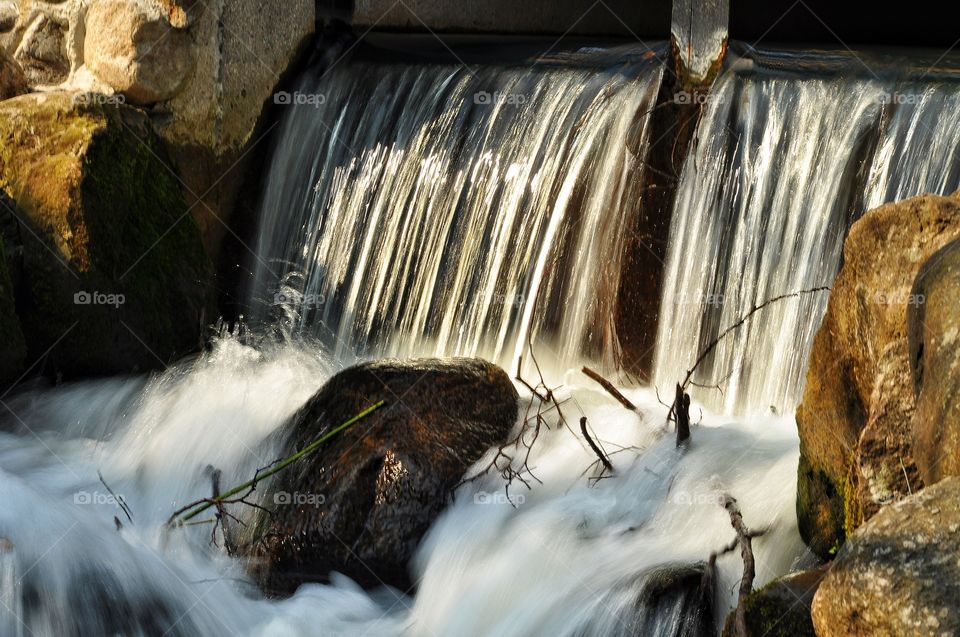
(596, 448)
(743, 319)
(613, 391)
(119, 499)
(205, 503)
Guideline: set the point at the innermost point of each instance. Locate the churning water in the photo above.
(569, 557)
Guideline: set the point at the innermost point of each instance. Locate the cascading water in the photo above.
(920, 149)
(762, 210)
(406, 212)
(425, 209)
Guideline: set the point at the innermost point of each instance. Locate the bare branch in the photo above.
(613, 391)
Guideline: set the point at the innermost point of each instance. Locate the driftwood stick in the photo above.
(613, 391)
(682, 412)
(596, 448)
(744, 537)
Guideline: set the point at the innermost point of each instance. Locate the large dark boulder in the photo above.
(361, 504)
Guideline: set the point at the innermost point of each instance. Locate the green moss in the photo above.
(821, 507)
(771, 612)
(102, 212)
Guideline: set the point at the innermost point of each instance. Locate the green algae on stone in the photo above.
(113, 275)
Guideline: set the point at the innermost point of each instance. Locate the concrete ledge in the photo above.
(643, 19)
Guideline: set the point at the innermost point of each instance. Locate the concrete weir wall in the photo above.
(624, 18)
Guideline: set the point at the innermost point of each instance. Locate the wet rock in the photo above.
(108, 270)
(899, 574)
(782, 607)
(133, 47)
(673, 602)
(361, 504)
(934, 330)
(854, 420)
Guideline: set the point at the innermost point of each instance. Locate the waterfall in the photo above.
(764, 203)
(432, 209)
(920, 149)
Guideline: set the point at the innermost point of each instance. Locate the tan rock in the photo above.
(899, 574)
(132, 46)
(854, 420)
(243, 49)
(934, 330)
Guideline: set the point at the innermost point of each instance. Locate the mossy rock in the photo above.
(781, 608)
(108, 269)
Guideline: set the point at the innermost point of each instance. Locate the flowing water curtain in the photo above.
(920, 149)
(425, 206)
(762, 209)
